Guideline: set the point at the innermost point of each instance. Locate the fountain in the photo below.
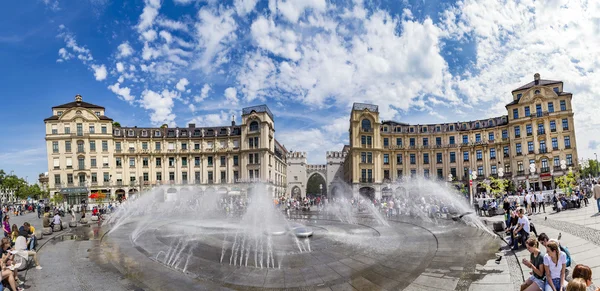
(250, 242)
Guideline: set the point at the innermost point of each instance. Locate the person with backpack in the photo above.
(544, 240)
(555, 262)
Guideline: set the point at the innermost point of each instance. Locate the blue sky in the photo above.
(179, 61)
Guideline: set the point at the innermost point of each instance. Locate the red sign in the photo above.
(471, 182)
(545, 175)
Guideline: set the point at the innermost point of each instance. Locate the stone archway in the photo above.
(120, 193)
(296, 192)
(367, 193)
(316, 185)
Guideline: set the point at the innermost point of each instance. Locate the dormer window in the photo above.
(223, 131)
(254, 126)
(144, 133)
(412, 129)
(59, 113)
(555, 90)
(438, 129)
(171, 133)
(97, 113)
(157, 133)
(184, 133)
(197, 132)
(117, 132)
(130, 133)
(519, 96)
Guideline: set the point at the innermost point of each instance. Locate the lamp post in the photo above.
(321, 188)
(500, 175)
(473, 177)
(531, 171)
(450, 177)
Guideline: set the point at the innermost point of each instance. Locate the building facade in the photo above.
(87, 154)
(538, 130)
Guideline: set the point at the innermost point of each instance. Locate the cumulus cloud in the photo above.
(203, 93)
(160, 105)
(100, 72)
(243, 7)
(213, 119)
(63, 55)
(215, 31)
(125, 50)
(181, 84)
(171, 24)
(149, 35)
(120, 67)
(123, 92)
(149, 14)
(231, 96)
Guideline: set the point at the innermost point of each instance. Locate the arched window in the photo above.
(366, 124)
(537, 91)
(254, 126)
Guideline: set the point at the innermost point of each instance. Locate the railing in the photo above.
(541, 132)
(366, 180)
(506, 155)
(517, 135)
(565, 128)
(366, 129)
(531, 152)
(543, 151)
(519, 153)
(553, 130)
(545, 170)
(529, 133)
(520, 173)
(567, 146)
(554, 148)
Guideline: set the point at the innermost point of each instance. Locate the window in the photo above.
(543, 149)
(171, 146)
(529, 129)
(196, 161)
(366, 125)
(465, 139)
(453, 172)
(183, 161)
(144, 162)
(519, 96)
(494, 170)
(541, 129)
(491, 136)
(223, 161)
(452, 157)
(157, 133)
(132, 162)
(538, 110)
(425, 158)
(556, 162)
(118, 162)
(438, 141)
(550, 107)
(424, 129)
(451, 127)
(530, 147)
(412, 141)
(480, 171)
(223, 177)
(563, 105)
(93, 162)
(505, 150)
(157, 145)
(466, 156)
(413, 159)
(479, 154)
(492, 153)
(478, 137)
(399, 142)
(92, 145)
(412, 129)
(399, 159)
(197, 176)
(130, 133)
(555, 143)
(426, 173)
(158, 162)
(517, 131)
(386, 142)
(520, 166)
(235, 161)
(438, 158)
(184, 146)
(196, 146)
(158, 176)
(106, 177)
(518, 149)
(504, 133)
(80, 147)
(171, 162)
(425, 141)
(440, 174)
(118, 146)
(363, 157)
(144, 145)
(386, 159)
(145, 177)
(92, 129)
(527, 112)
(567, 142)
(413, 173)
(55, 147)
(552, 126)
(54, 129)
(171, 176)
(369, 158)
(451, 141)
(67, 146)
(105, 162)
(565, 124)
(79, 129)
(70, 179)
(570, 159)
(67, 129)
(103, 129)
(399, 174)
(515, 113)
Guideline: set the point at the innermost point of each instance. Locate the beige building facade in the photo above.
(538, 130)
(86, 154)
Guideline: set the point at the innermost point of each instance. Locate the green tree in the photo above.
(567, 182)
(497, 187)
(57, 199)
(589, 167)
(116, 124)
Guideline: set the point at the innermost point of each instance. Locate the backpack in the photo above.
(566, 250)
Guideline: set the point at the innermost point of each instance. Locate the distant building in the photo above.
(86, 154)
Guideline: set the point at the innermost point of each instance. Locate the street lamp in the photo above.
(321, 188)
(500, 175)
(473, 177)
(532, 172)
(450, 177)
(596, 164)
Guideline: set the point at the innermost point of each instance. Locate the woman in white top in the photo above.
(555, 263)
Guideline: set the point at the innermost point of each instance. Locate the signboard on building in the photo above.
(74, 190)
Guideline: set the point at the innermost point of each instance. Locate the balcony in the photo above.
(425, 146)
(465, 160)
(465, 144)
(543, 151)
(541, 132)
(557, 168)
(567, 146)
(554, 148)
(366, 129)
(545, 170)
(506, 155)
(553, 130)
(504, 139)
(529, 133)
(531, 152)
(517, 135)
(520, 173)
(492, 158)
(565, 128)
(118, 150)
(366, 180)
(519, 153)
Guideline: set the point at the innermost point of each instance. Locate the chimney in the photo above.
(78, 98)
(536, 78)
(232, 120)
(192, 125)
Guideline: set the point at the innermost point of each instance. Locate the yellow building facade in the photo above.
(87, 154)
(538, 130)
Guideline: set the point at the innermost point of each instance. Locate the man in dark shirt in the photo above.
(25, 230)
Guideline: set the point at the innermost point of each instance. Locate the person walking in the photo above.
(597, 194)
(540, 202)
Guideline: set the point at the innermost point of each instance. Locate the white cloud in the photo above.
(124, 92)
(312, 141)
(120, 67)
(292, 9)
(243, 7)
(281, 42)
(255, 76)
(132, 68)
(213, 119)
(125, 50)
(171, 24)
(52, 4)
(149, 35)
(231, 96)
(181, 84)
(166, 36)
(149, 14)
(215, 30)
(203, 93)
(160, 105)
(149, 53)
(82, 53)
(64, 55)
(183, 2)
(100, 72)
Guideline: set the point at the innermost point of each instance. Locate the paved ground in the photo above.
(579, 230)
